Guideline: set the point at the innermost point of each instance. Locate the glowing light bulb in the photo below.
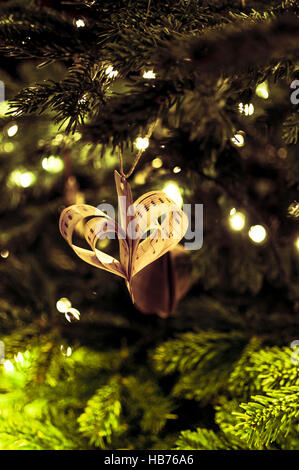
(282, 153)
(27, 179)
(80, 23)
(177, 169)
(68, 352)
(52, 164)
(157, 163)
(262, 90)
(142, 143)
(173, 192)
(297, 243)
(140, 177)
(238, 140)
(83, 99)
(77, 136)
(111, 72)
(4, 254)
(247, 109)
(23, 179)
(8, 147)
(63, 304)
(4, 108)
(8, 366)
(149, 74)
(58, 139)
(19, 358)
(257, 233)
(72, 314)
(236, 220)
(12, 130)
(104, 243)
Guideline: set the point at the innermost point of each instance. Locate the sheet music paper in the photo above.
(136, 251)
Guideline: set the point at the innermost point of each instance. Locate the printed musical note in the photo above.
(137, 249)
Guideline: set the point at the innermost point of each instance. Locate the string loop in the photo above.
(138, 156)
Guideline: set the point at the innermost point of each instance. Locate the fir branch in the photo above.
(41, 34)
(267, 418)
(17, 433)
(101, 419)
(190, 350)
(204, 361)
(71, 99)
(201, 439)
(144, 398)
(229, 49)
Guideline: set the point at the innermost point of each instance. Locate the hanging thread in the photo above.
(138, 156)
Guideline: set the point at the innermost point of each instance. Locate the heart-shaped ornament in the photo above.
(146, 230)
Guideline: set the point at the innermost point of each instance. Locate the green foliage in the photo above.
(267, 418)
(32, 435)
(201, 439)
(204, 360)
(101, 417)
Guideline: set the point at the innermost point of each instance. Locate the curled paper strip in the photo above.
(147, 229)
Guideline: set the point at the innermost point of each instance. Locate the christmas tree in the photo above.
(198, 99)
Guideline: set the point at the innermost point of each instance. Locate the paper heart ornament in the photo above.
(146, 230)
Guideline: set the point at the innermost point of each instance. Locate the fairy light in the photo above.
(173, 192)
(142, 143)
(52, 164)
(4, 254)
(111, 72)
(72, 314)
(247, 109)
(103, 243)
(157, 163)
(140, 177)
(77, 136)
(12, 130)
(80, 23)
(257, 233)
(282, 153)
(4, 108)
(177, 169)
(8, 147)
(63, 305)
(8, 366)
(238, 140)
(262, 90)
(297, 243)
(68, 352)
(149, 74)
(236, 220)
(19, 358)
(23, 179)
(58, 139)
